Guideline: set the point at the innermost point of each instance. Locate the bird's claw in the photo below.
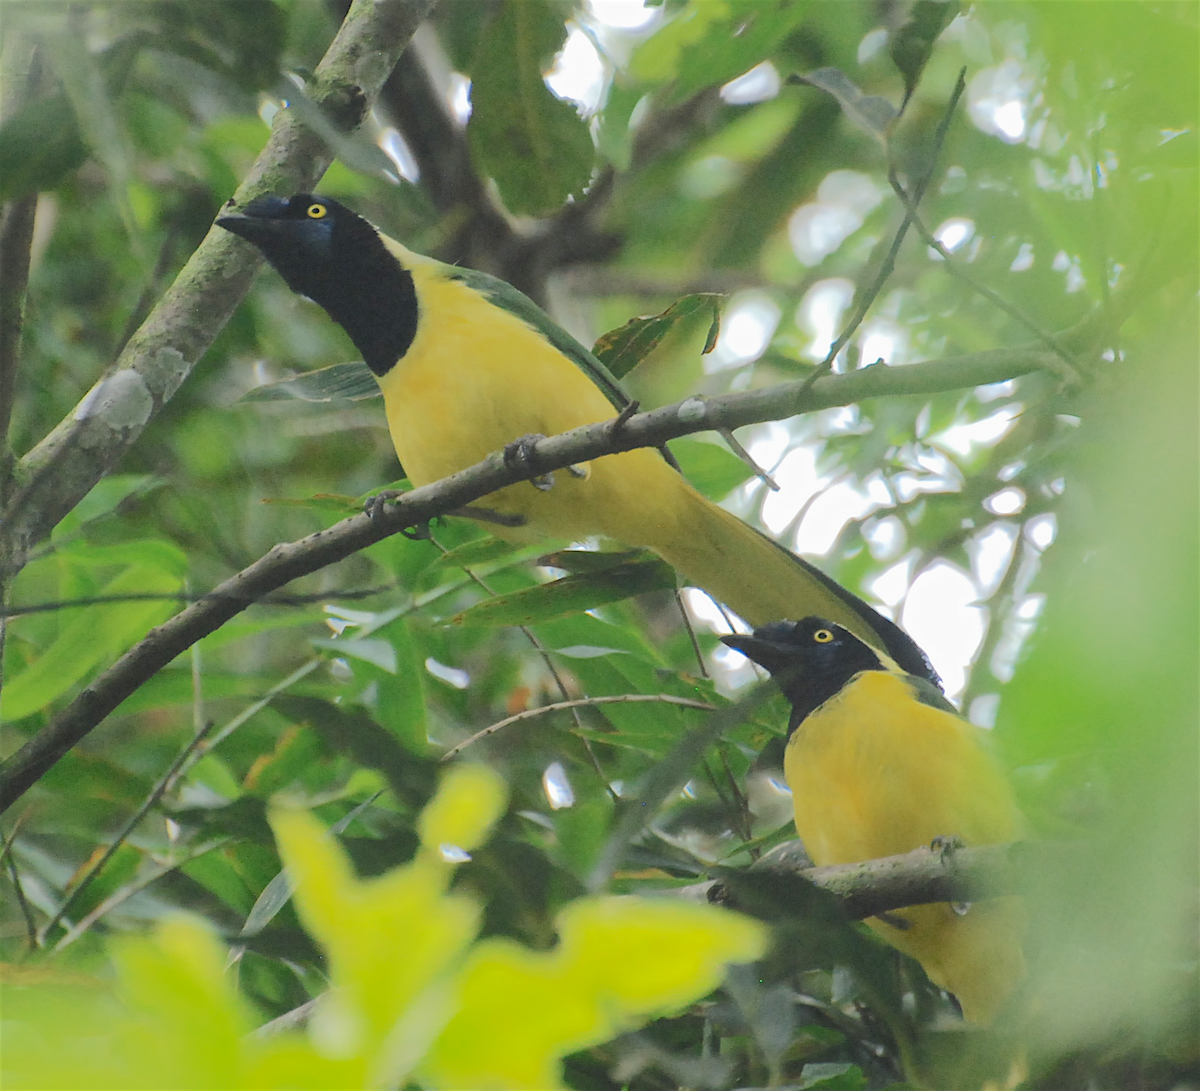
(946, 846)
(521, 454)
(373, 505)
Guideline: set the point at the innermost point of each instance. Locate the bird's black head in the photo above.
(336, 258)
(810, 659)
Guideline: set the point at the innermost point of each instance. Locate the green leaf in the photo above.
(712, 42)
(352, 381)
(570, 595)
(912, 44)
(658, 59)
(583, 561)
(480, 551)
(39, 146)
(712, 468)
(872, 114)
(832, 1077)
(399, 700)
(618, 960)
(622, 349)
(97, 634)
(377, 652)
(587, 651)
(535, 146)
(99, 122)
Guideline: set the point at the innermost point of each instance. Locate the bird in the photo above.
(879, 762)
(468, 365)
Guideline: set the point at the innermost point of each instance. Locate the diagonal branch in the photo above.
(287, 562)
(918, 877)
(60, 470)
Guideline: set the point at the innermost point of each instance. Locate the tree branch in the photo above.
(919, 877)
(60, 470)
(287, 562)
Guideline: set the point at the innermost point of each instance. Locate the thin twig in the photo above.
(736, 447)
(178, 767)
(544, 653)
(956, 270)
(7, 855)
(667, 776)
(741, 803)
(889, 262)
(124, 893)
(183, 597)
(690, 629)
(582, 702)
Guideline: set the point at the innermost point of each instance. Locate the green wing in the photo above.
(929, 694)
(507, 298)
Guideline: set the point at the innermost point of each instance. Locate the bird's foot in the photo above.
(521, 454)
(374, 504)
(946, 846)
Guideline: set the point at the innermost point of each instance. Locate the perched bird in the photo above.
(880, 763)
(468, 365)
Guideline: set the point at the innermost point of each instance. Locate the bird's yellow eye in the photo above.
(316, 211)
(822, 636)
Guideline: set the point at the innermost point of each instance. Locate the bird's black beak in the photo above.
(766, 653)
(260, 222)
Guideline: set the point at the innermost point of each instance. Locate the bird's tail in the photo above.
(760, 580)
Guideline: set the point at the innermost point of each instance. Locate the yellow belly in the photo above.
(874, 773)
(476, 379)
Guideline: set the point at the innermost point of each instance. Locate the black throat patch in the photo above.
(367, 292)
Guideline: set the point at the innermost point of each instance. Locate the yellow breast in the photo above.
(477, 377)
(874, 772)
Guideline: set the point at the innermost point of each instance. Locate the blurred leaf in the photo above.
(872, 114)
(712, 42)
(350, 382)
(587, 651)
(912, 43)
(583, 561)
(621, 350)
(101, 632)
(482, 551)
(535, 146)
(39, 146)
(570, 595)
(276, 894)
(378, 652)
(832, 1077)
(99, 123)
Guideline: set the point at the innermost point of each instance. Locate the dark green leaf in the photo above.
(912, 44)
(39, 146)
(535, 146)
(622, 349)
(584, 561)
(480, 551)
(709, 44)
(570, 595)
